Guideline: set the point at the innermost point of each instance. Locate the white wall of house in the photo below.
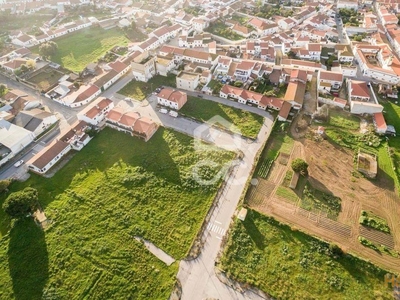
(189, 85)
(167, 103)
(52, 162)
(358, 107)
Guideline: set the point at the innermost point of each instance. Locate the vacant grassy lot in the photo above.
(76, 50)
(247, 123)
(44, 80)
(115, 188)
(289, 264)
(223, 30)
(138, 90)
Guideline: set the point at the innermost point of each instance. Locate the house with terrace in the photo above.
(73, 139)
(360, 99)
(328, 81)
(378, 62)
(96, 112)
(296, 89)
(187, 80)
(143, 67)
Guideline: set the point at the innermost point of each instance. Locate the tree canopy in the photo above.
(48, 49)
(299, 165)
(21, 203)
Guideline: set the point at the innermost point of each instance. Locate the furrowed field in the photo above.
(289, 264)
(117, 187)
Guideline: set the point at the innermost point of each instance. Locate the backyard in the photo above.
(116, 188)
(88, 45)
(223, 30)
(283, 263)
(247, 123)
(138, 90)
(46, 78)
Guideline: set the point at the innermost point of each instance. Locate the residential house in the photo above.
(15, 64)
(347, 4)
(24, 40)
(143, 67)
(187, 80)
(165, 64)
(96, 113)
(242, 30)
(105, 80)
(329, 81)
(244, 70)
(35, 120)
(132, 123)
(245, 96)
(360, 99)
(380, 123)
(171, 98)
(82, 96)
(13, 139)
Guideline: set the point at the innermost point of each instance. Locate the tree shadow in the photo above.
(255, 234)
(28, 260)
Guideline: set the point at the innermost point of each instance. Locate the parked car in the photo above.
(200, 96)
(163, 111)
(173, 113)
(18, 163)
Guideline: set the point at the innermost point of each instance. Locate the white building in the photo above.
(35, 120)
(171, 98)
(14, 139)
(187, 80)
(96, 112)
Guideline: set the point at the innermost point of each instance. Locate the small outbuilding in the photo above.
(242, 214)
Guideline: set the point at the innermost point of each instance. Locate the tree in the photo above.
(4, 185)
(31, 64)
(3, 90)
(22, 203)
(48, 49)
(299, 165)
(238, 84)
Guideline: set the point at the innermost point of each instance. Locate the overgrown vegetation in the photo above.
(314, 199)
(371, 220)
(138, 90)
(378, 248)
(223, 30)
(283, 263)
(247, 123)
(349, 16)
(113, 189)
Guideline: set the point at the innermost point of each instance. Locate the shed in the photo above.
(242, 214)
(295, 179)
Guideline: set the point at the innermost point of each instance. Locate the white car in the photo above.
(18, 163)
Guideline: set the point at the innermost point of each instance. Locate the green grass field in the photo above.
(248, 124)
(76, 50)
(289, 264)
(117, 187)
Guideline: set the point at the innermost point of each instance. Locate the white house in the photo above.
(84, 95)
(96, 112)
(14, 138)
(171, 98)
(187, 80)
(35, 120)
(48, 156)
